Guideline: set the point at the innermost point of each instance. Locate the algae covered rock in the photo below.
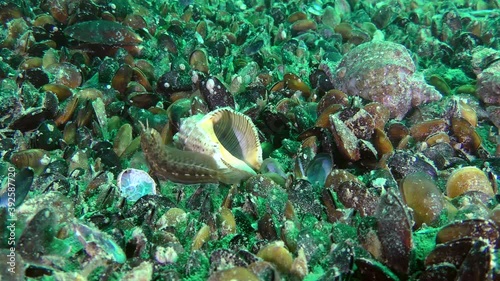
(486, 63)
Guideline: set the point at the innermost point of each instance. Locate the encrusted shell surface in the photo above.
(226, 135)
(384, 72)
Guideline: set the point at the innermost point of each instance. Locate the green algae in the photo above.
(424, 241)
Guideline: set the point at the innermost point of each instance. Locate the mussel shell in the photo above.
(394, 230)
(345, 139)
(439, 272)
(215, 93)
(453, 252)
(121, 78)
(440, 154)
(47, 136)
(173, 81)
(332, 213)
(37, 236)
(403, 163)
(36, 76)
(267, 228)
(104, 151)
(23, 181)
(147, 203)
(355, 195)
(341, 260)
(30, 120)
(320, 80)
(222, 258)
(303, 196)
(276, 124)
(465, 134)
(474, 228)
(107, 70)
(50, 182)
(143, 99)
(359, 121)
(477, 263)
(373, 271)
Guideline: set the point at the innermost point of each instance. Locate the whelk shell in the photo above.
(227, 136)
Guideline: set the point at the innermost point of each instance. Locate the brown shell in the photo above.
(465, 134)
(330, 98)
(346, 140)
(294, 83)
(474, 228)
(394, 232)
(355, 195)
(453, 252)
(198, 61)
(422, 130)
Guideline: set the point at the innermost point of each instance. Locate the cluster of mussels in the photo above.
(293, 140)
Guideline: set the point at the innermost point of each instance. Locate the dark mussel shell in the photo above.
(394, 230)
(215, 93)
(403, 163)
(37, 236)
(453, 252)
(371, 270)
(356, 195)
(474, 228)
(103, 32)
(341, 260)
(20, 185)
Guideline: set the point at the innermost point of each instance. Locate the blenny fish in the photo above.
(221, 146)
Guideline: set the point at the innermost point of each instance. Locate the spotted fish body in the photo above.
(220, 146)
(177, 165)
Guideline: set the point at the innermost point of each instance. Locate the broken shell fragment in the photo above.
(135, 183)
(345, 139)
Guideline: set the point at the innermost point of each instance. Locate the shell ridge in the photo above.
(227, 137)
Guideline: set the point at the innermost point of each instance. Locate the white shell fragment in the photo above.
(134, 184)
